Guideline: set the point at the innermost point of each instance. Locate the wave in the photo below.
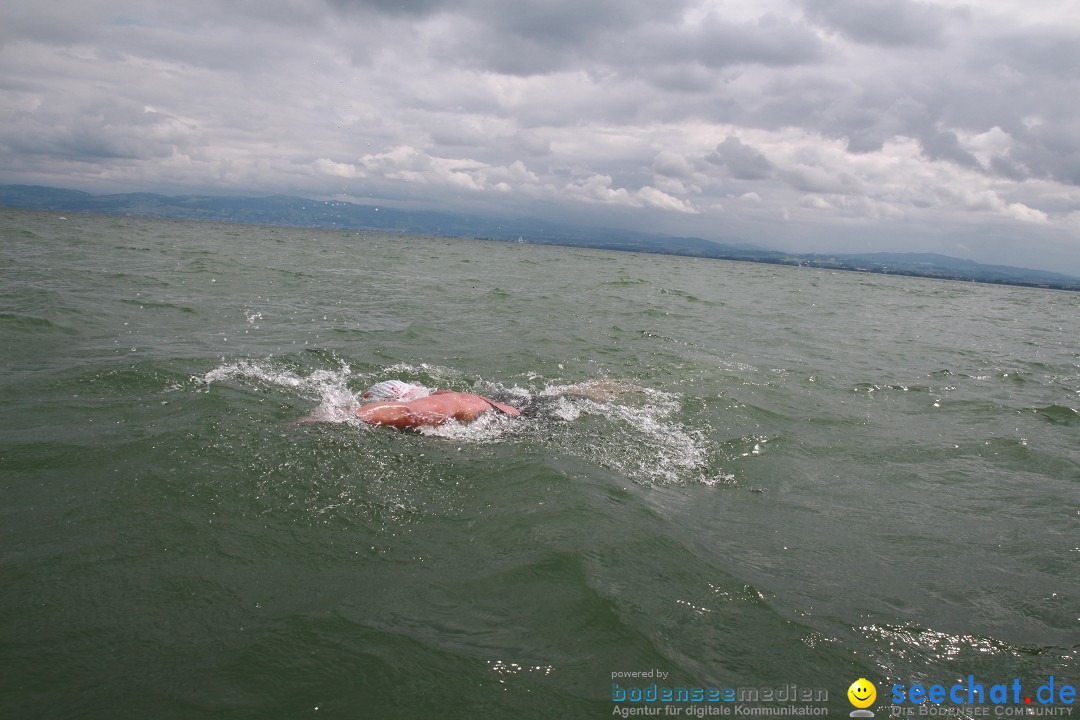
(1058, 414)
(144, 304)
(33, 324)
(904, 649)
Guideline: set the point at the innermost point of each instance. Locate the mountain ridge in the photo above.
(296, 211)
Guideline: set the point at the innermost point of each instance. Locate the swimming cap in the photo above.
(394, 390)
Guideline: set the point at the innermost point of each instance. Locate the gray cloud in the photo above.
(562, 23)
(390, 7)
(742, 161)
(883, 22)
(788, 121)
(716, 42)
(946, 146)
(1045, 51)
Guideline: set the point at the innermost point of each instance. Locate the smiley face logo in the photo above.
(862, 693)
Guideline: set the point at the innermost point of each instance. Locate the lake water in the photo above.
(794, 477)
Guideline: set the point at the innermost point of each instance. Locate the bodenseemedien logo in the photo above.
(862, 694)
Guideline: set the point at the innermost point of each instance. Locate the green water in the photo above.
(813, 477)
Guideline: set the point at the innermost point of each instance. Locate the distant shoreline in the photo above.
(289, 211)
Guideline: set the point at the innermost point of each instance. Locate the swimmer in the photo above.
(406, 406)
(403, 405)
(431, 410)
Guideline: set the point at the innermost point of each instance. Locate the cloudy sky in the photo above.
(816, 125)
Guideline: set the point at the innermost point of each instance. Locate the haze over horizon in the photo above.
(798, 125)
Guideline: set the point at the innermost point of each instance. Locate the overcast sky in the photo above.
(838, 125)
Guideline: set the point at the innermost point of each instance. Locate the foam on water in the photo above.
(489, 427)
(330, 386)
(647, 443)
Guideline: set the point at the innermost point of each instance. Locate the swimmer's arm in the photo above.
(497, 405)
(399, 415)
(505, 408)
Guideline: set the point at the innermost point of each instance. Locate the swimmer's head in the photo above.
(394, 390)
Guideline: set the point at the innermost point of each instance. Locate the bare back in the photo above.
(431, 411)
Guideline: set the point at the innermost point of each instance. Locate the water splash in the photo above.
(331, 387)
(632, 430)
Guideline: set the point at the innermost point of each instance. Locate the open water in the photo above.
(802, 478)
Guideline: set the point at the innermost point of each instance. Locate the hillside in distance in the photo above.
(302, 212)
